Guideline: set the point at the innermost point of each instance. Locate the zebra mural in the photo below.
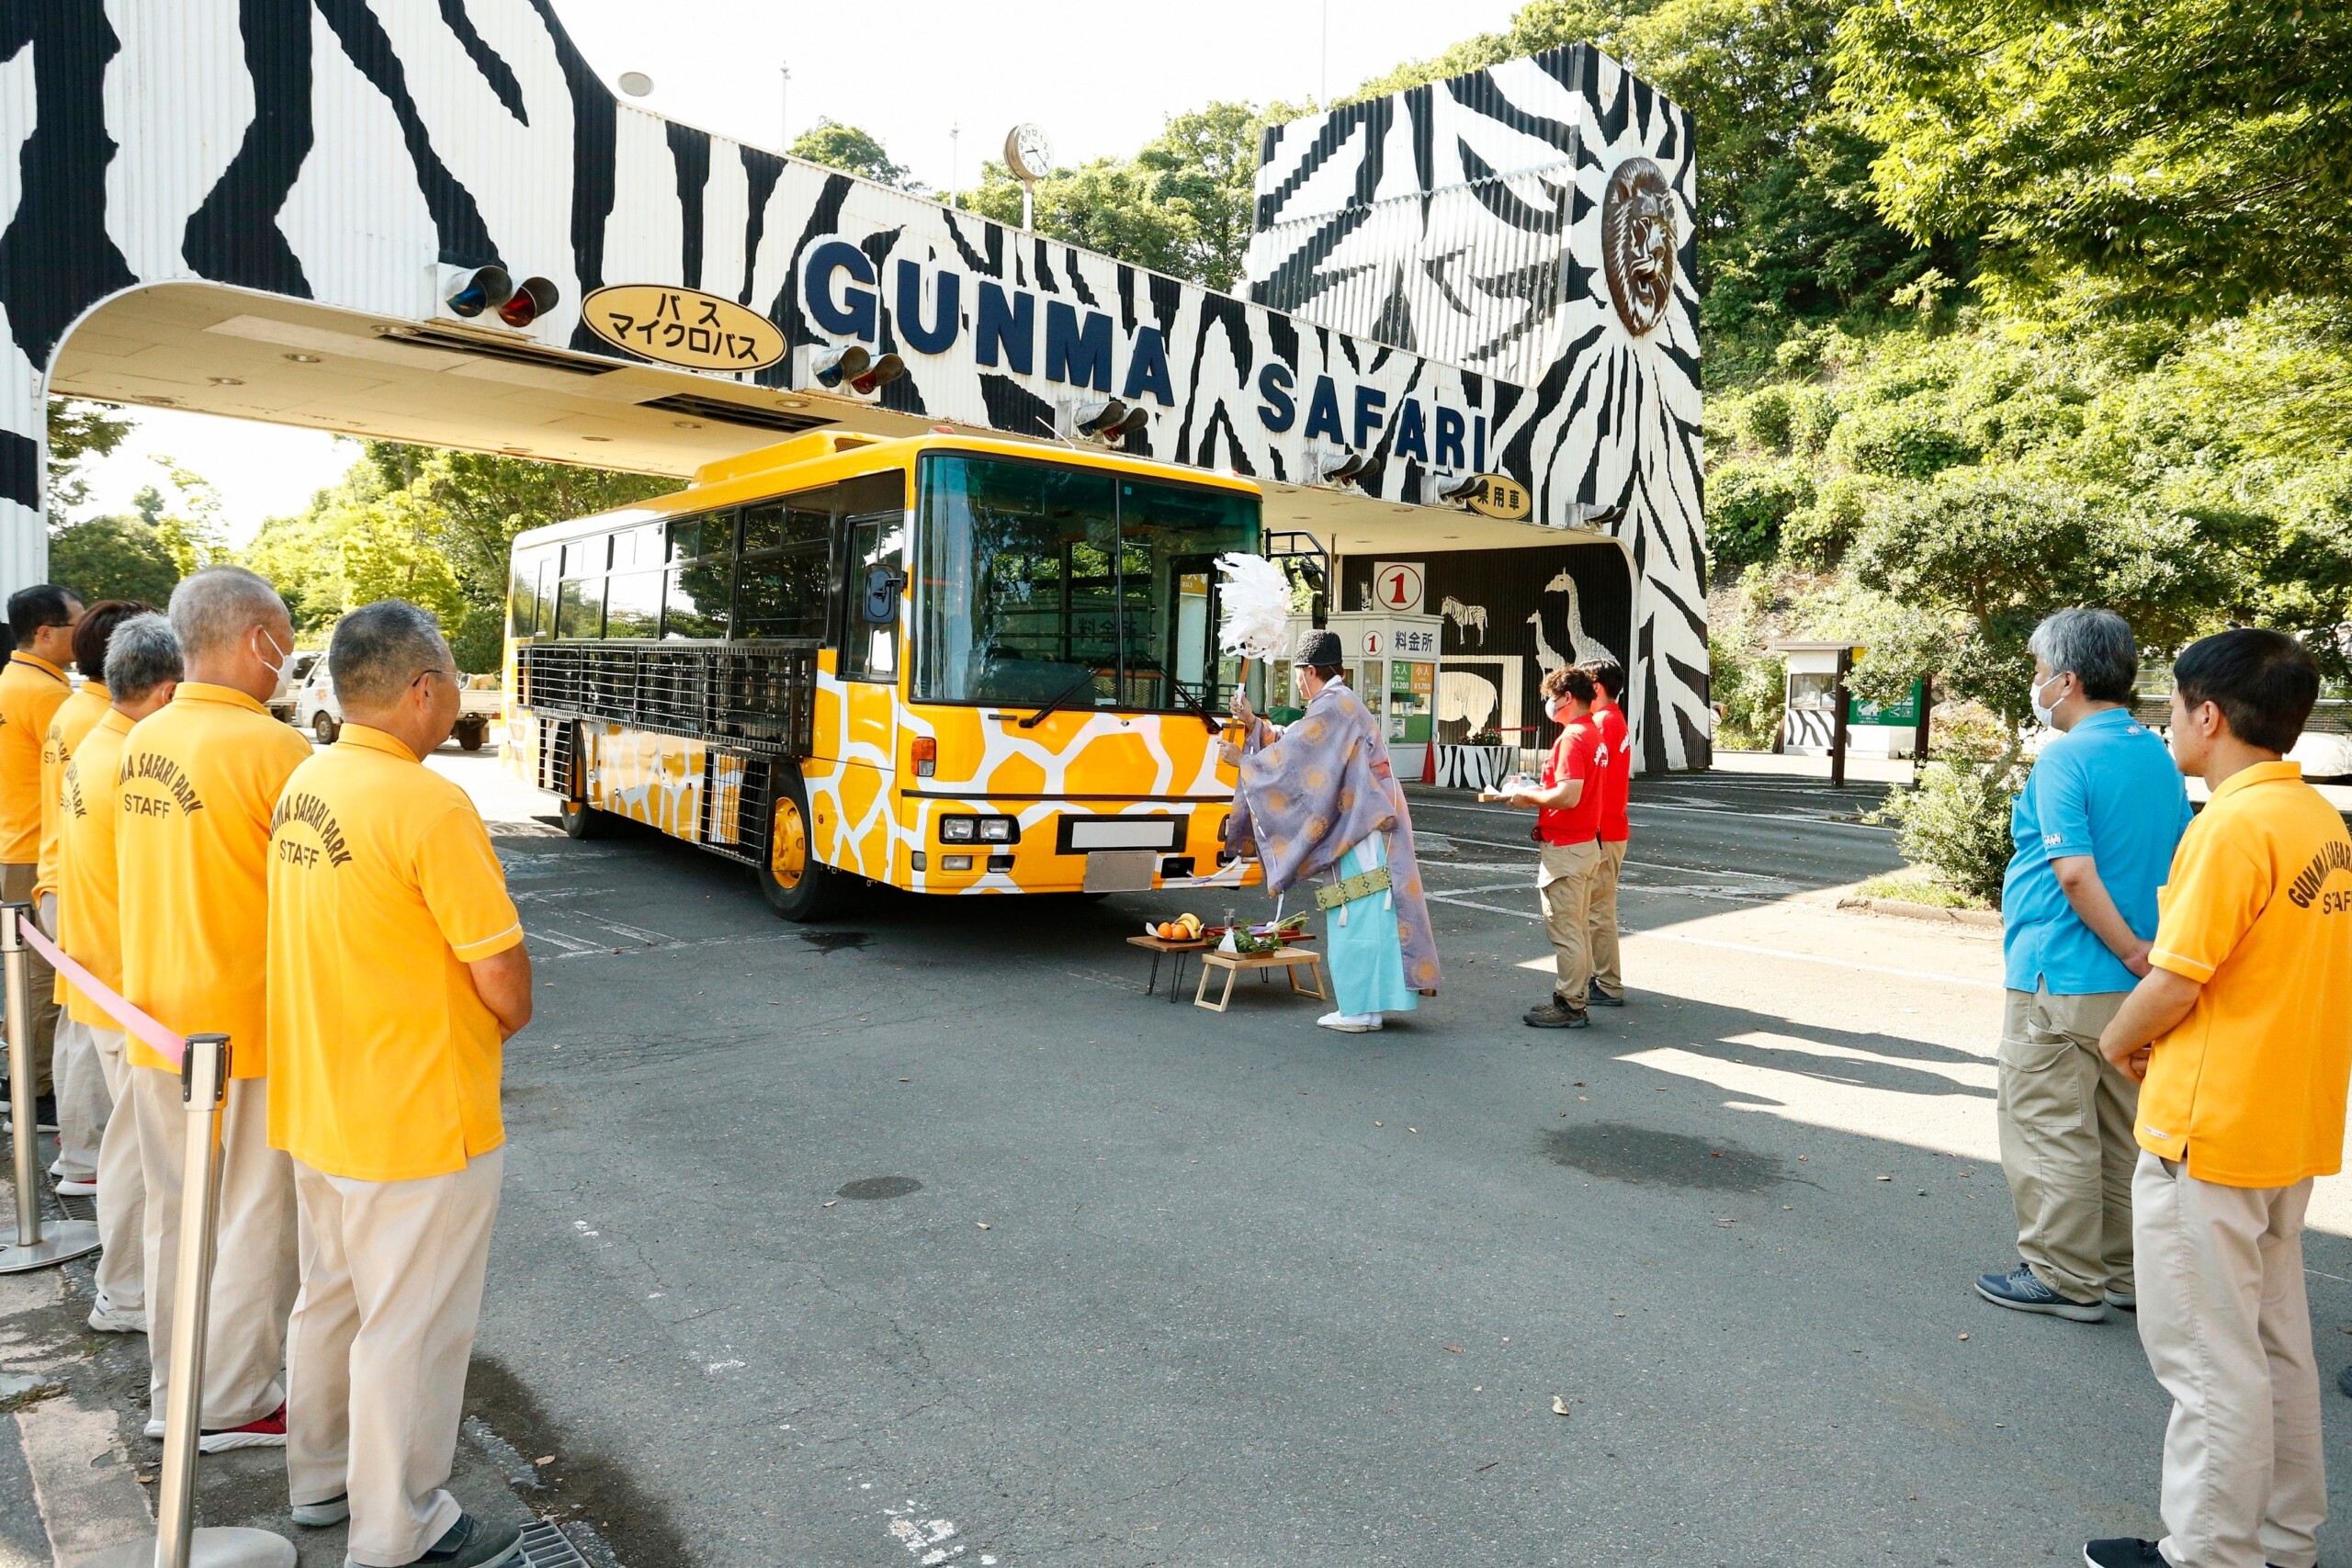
(346, 154)
(1534, 221)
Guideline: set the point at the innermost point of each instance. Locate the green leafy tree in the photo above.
(113, 558)
(78, 430)
(2182, 157)
(852, 150)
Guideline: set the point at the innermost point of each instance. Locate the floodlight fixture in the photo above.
(481, 289)
(532, 298)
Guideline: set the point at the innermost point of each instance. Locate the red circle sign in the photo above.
(1399, 587)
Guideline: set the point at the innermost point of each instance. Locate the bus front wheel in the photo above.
(795, 884)
(579, 820)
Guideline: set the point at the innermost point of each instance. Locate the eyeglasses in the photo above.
(437, 670)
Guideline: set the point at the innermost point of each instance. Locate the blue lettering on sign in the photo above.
(1450, 428)
(1148, 369)
(1369, 400)
(1278, 413)
(1012, 327)
(853, 314)
(940, 337)
(1079, 356)
(1412, 432)
(1323, 413)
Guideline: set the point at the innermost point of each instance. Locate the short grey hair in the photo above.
(142, 654)
(379, 650)
(214, 609)
(2096, 645)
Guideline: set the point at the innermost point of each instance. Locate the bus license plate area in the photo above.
(1120, 871)
(1091, 835)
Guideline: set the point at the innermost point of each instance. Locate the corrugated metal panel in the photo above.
(1472, 275)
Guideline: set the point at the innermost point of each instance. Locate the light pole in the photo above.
(784, 108)
(955, 162)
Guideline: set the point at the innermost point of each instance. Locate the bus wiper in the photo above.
(1085, 678)
(1190, 701)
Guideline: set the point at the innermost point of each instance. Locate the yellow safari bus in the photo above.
(946, 664)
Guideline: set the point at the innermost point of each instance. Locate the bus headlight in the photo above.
(996, 830)
(957, 829)
(979, 829)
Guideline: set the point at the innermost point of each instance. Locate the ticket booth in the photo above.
(1809, 719)
(1392, 665)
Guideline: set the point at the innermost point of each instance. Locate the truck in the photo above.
(480, 703)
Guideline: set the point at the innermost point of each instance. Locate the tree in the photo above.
(1204, 167)
(78, 430)
(113, 558)
(189, 523)
(2181, 157)
(852, 150)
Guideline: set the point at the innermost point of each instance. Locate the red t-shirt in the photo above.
(1578, 753)
(1610, 721)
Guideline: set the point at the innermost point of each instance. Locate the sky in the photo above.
(1099, 80)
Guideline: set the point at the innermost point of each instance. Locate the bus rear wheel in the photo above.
(795, 884)
(579, 820)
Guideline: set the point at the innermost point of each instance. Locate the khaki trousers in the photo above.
(391, 1290)
(1601, 919)
(1563, 878)
(2066, 1116)
(82, 1098)
(122, 1185)
(2228, 1332)
(17, 888)
(253, 1268)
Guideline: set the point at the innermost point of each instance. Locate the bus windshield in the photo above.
(1039, 582)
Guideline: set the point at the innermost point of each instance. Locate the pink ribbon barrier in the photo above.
(134, 1022)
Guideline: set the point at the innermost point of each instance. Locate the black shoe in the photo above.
(2123, 1551)
(1601, 999)
(1556, 1014)
(2344, 1382)
(45, 1113)
(473, 1543)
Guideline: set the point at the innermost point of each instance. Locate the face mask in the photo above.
(2046, 717)
(285, 655)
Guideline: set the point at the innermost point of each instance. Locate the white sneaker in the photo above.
(77, 1186)
(1351, 1023)
(106, 1319)
(155, 1429)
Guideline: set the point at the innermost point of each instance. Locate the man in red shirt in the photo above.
(1608, 718)
(1568, 824)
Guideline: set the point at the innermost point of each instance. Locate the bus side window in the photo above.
(787, 564)
(543, 610)
(701, 579)
(522, 599)
(580, 608)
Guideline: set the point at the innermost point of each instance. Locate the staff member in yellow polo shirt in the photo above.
(32, 685)
(396, 972)
(142, 667)
(2241, 1032)
(84, 1093)
(197, 784)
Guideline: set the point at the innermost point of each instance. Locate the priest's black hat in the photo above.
(1319, 651)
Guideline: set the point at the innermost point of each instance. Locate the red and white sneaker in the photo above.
(269, 1432)
(77, 1186)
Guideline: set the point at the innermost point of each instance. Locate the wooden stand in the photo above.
(1289, 959)
(1159, 944)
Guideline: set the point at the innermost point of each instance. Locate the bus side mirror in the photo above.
(883, 587)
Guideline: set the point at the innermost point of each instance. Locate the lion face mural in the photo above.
(1637, 244)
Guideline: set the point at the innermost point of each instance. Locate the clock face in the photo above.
(1028, 154)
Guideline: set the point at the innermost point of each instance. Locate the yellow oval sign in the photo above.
(683, 327)
(1500, 496)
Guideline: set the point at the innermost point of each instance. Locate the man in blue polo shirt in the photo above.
(2095, 828)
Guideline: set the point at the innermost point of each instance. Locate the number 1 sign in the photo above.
(1399, 587)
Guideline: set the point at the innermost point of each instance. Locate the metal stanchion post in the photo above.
(204, 1085)
(27, 1247)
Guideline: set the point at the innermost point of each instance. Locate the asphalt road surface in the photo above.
(926, 1236)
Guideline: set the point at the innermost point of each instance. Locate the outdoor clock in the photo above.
(1027, 153)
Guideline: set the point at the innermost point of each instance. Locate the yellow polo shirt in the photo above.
(384, 1063)
(88, 914)
(74, 718)
(30, 690)
(2250, 1087)
(197, 782)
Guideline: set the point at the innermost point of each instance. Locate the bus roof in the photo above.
(822, 457)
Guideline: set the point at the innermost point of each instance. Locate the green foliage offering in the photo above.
(1957, 822)
(113, 558)
(2183, 157)
(853, 152)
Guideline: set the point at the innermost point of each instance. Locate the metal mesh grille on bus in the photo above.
(757, 699)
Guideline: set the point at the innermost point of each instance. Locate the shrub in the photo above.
(1957, 822)
(1816, 538)
(1813, 414)
(1898, 441)
(1763, 419)
(1747, 504)
(479, 641)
